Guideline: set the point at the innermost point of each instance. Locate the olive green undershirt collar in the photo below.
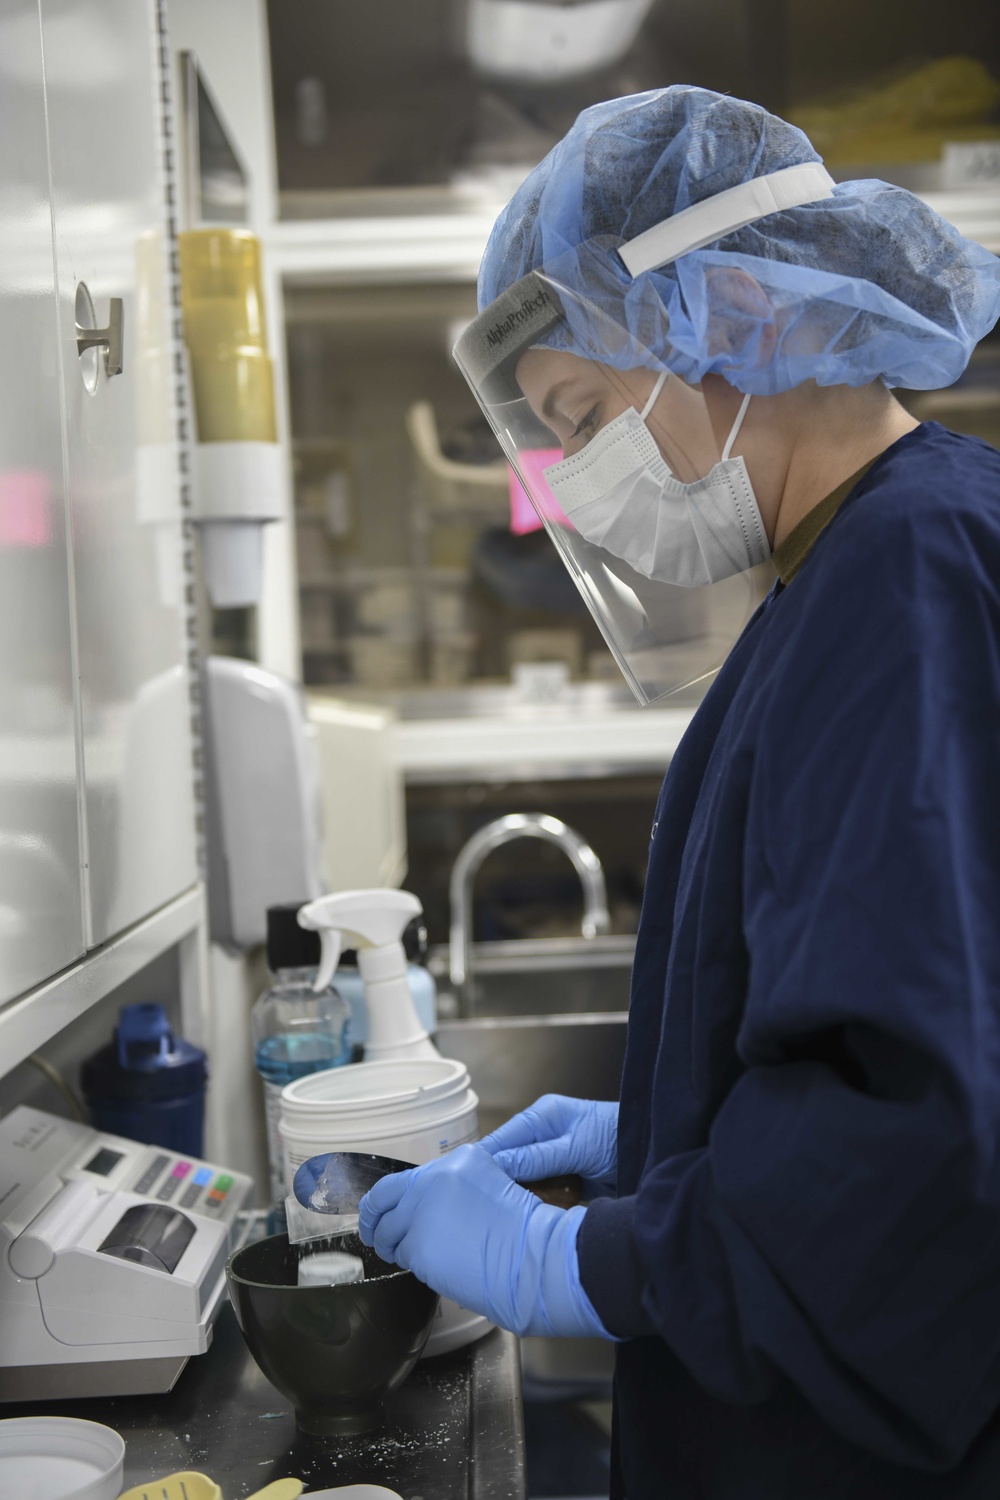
(793, 551)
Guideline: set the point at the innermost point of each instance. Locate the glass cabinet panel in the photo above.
(409, 569)
(41, 911)
(419, 102)
(109, 205)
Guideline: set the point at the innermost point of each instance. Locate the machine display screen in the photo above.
(104, 1162)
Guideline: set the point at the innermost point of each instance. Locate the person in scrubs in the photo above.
(688, 341)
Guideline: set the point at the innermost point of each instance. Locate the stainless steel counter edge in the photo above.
(498, 1469)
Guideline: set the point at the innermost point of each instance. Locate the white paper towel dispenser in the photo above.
(262, 792)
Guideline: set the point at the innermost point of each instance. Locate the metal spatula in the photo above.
(327, 1189)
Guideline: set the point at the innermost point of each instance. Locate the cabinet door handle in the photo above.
(110, 339)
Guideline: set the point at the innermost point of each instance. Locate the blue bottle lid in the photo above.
(144, 1061)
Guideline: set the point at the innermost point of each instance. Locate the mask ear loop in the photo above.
(657, 388)
(736, 427)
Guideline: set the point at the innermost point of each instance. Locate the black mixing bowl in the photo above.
(335, 1351)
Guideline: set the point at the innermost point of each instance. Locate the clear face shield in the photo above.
(634, 473)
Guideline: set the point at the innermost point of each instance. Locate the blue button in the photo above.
(203, 1175)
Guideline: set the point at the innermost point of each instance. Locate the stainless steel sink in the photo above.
(545, 1016)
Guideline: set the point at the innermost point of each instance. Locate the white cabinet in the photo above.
(108, 199)
(97, 818)
(41, 907)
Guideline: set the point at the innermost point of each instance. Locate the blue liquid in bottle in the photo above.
(290, 1055)
(295, 1032)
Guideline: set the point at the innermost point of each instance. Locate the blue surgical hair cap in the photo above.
(867, 284)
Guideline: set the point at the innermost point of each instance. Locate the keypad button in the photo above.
(168, 1189)
(191, 1195)
(151, 1174)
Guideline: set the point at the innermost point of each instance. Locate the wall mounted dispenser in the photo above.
(238, 463)
(262, 799)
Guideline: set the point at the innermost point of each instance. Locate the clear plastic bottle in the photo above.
(295, 1030)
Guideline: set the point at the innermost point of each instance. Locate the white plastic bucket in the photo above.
(411, 1109)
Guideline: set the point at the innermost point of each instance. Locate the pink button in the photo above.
(181, 1169)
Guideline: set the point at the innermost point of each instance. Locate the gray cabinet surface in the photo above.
(41, 905)
(108, 200)
(97, 820)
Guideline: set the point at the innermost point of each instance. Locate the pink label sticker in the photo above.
(25, 513)
(526, 514)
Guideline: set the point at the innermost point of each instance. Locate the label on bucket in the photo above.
(295, 1154)
(446, 1145)
(272, 1116)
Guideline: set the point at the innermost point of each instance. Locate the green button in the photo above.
(223, 1184)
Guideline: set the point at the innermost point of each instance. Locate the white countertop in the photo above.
(539, 742)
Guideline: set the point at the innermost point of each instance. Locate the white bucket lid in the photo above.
(370, 1088)
(343, 1132)
(60, 1458)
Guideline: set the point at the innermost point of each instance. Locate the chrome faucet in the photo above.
(596, 921)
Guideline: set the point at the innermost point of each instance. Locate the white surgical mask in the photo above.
(620, 494)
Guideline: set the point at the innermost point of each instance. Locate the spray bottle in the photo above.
(373, 921)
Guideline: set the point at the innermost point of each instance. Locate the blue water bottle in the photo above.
(295, 1030)
(148, 1084)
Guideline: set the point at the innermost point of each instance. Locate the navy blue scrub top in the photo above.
(804, 1256)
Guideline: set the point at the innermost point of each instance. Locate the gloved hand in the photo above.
(557, 1135)
(462, 1226)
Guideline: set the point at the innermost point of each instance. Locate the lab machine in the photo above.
(112, 1259)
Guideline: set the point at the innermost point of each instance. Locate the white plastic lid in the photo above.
(59, 1458)
(381, 1131)
(376, 1085)
(356, 1492)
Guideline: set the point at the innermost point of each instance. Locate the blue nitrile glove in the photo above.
(557, 1135)
(463, 1227)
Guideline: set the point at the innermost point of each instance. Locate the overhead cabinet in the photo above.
(97, 826)
(41, 900)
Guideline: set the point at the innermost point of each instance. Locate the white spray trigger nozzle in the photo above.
(331, 942)
(369, 918)
(372, 921)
